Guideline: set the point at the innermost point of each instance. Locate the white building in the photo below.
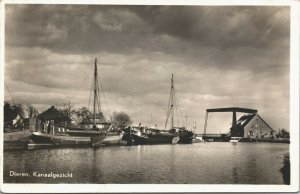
(253, 126)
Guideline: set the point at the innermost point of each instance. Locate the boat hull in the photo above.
(39, 145)
(16, 140)
(84, 133)
(235, 139)
(110, 139)
(113, 139)
(60, 140)
(159, 138)
(186, 137)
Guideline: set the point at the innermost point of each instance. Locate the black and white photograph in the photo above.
(157, 95)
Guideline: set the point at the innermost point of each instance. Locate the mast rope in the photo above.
(81, 84)
(91, 90)
(9, 93)
(168, 114)
(180, 112)
(169, 109)
(108, 108)
(99, 101)
(175, 102)
(98, 97)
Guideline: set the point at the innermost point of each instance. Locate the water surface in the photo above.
(201, 163)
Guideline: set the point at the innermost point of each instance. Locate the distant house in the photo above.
(54, 115)
(53, 120)
(253, 126)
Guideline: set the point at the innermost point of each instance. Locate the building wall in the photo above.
(33, 124)
(257, 128)
(60, 130)
(51, 128)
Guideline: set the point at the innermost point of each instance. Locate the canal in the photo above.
(199, 163)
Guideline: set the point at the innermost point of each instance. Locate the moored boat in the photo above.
(110, 139)
(235, 139)
(79, 132)
(198, 140)
(144, 135)
(130, 133)
(154, 136)
(60, 140)
(60, 135)
(111, 133)
(185, 136)
(113, 136)
(16, 139)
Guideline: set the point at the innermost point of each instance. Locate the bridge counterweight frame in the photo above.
(234, 110)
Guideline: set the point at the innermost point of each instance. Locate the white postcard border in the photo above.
(123, 188)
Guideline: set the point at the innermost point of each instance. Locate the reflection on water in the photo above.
(202, 163)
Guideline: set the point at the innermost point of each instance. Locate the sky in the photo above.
(221, 56)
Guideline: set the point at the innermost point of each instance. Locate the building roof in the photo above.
(53, 114)
(265, 122)
(245, 119)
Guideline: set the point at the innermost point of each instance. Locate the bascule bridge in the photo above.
(234, 131)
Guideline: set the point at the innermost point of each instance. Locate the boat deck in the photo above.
(17, 135)
(63, 137)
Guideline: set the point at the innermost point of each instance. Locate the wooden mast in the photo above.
(170, 111)
(95, 93)
(172, 103)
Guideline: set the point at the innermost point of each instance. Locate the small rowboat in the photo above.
(234, 139)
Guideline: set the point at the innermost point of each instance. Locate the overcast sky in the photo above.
(221, 56)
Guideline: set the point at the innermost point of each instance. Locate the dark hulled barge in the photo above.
(142, 135)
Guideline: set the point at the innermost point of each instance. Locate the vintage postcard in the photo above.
(124, 96)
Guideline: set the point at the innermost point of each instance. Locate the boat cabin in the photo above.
(100, 122)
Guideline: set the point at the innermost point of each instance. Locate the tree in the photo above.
(68, 110)
(27, 110)
(11, 113)
(283, 133)
(81, 114)
(121, 119)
